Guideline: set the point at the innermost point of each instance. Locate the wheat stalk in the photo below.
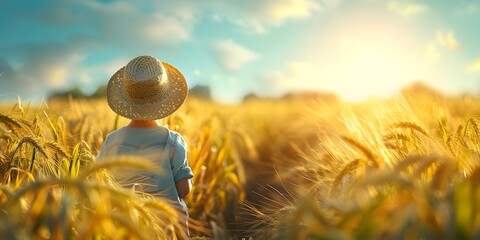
(396, 136)
(57, 149)
(351, 166)
(32, 141)
(412, 126)
(9, 121)
(368, 154)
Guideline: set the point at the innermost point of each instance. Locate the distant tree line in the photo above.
(76, 92)
(203, 91)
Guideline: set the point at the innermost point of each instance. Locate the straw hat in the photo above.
(146, 89)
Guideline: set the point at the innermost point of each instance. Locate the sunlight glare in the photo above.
(367, 71)
(362, 58)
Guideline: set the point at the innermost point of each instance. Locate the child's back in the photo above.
(158, 145)
(145, 90)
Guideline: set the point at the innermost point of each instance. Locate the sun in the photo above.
(367, 69)
(363, 58)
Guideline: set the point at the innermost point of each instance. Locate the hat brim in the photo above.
(173, 97)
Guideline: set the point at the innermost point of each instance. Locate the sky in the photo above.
(356, 49)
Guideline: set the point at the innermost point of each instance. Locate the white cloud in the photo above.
(298, 75)
(107, 68)
(50, 66)
(163, 29)
(474, 66)
(279, 11)
(431, 53)
(249, 26)
(124, 25)
(447, 39)
(172, 21)
(45, 68)
(406, 9)
(130, 25)
(255, 16)
(232, 56)
(130, 28)
(444, 40)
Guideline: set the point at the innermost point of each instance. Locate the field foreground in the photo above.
(298, 168)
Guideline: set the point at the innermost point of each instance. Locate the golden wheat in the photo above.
(385, 170)
(368, 154)
(411, 125)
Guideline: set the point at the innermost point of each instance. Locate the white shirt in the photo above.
(159, 145)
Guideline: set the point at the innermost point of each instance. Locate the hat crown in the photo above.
(145, 80)
(146, 89)
(144, 68)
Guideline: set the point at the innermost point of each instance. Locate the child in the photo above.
(145, 90)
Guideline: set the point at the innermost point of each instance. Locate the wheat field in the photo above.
(296, 168)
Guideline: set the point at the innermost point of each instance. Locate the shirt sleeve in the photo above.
(180, 167)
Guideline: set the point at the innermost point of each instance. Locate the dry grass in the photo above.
(393, 171)
(50, 178)
(405, 168)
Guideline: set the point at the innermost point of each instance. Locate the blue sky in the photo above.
(356, 48)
